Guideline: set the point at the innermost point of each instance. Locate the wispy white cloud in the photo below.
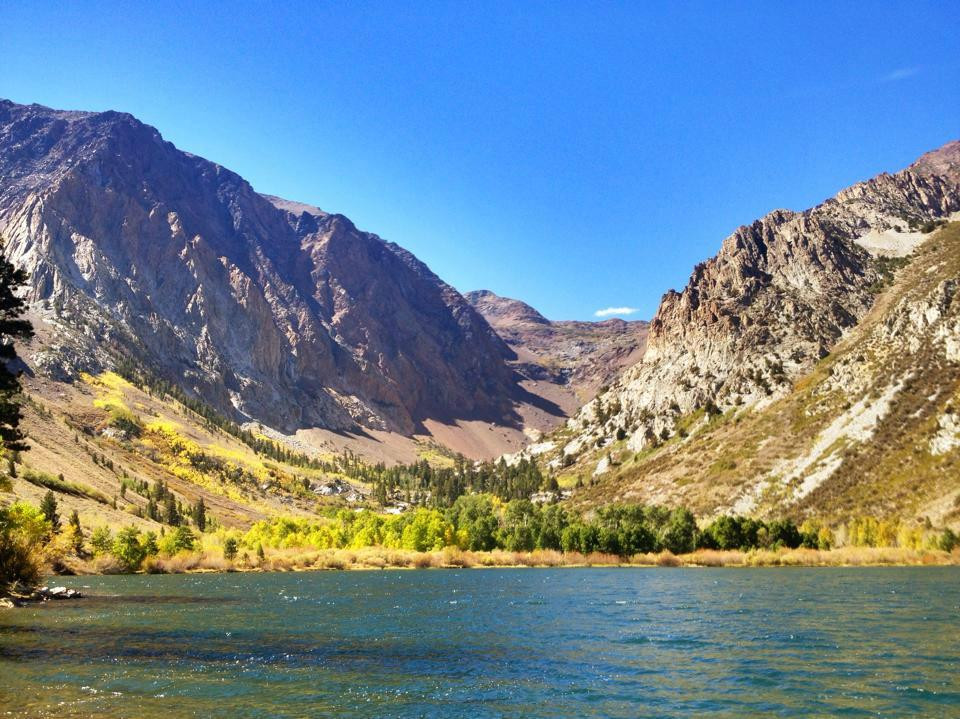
(901, 73)
(611, 311)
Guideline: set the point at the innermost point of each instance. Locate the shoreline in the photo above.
(370, 558)
(375, 559)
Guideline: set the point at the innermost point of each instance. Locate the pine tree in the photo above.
(229, 548)
(171, 513)
(49, 508)
(12, 328)
(200, 515)
(76, 534)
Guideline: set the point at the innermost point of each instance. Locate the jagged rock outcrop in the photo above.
(583, 356)
(872, 431)
(776, 298)
(267, 309)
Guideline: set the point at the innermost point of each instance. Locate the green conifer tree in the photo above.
(200, 515)
(171, 514)
(76, 534)
(229, 548)
(49, 508)
(12, 328)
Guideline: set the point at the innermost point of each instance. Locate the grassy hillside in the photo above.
(102, 445)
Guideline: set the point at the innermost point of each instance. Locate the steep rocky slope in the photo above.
(581, 356)
(873, 430)
(267, 309)
(780, 293)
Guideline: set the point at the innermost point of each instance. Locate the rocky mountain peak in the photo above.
(504, 309)
(137, 249)
(577, 357)
(777, 296)
(943, 162)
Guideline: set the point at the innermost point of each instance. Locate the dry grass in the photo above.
(715, 558)
(547, 558)
(841, 557)
(668, 559)
(598, 559)
(287, 560)
(330, 561)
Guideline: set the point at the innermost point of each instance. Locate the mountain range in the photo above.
(272, 311)
(809, 367)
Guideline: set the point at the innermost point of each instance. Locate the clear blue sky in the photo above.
(575, 155)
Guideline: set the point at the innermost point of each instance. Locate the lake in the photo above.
(492, 643)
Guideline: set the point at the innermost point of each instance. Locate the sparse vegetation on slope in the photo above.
(870, 432)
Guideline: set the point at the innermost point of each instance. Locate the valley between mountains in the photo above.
(268, 359)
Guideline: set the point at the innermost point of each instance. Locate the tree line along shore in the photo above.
(475, 531)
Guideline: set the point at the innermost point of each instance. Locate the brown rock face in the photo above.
(267, 309)
(582, 356)
(777, 297)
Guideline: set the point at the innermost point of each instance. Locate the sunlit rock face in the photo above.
(778, 295)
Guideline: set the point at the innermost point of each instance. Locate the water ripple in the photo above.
(492, 643)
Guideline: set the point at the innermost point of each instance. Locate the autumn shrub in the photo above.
(23, 531)
(762, 558)
(398, 558)
(213, 563)
(154, 565)
(455, 557)
(667, 559)
(548, 558)
(107, 564)
(373, 560)
(329, 560)
(184, 561)
(422, 560)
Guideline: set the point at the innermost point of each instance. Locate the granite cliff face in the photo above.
(872, 431)
(266, 309)
(582, 356)
(779, 294)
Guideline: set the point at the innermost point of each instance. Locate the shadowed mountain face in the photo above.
(266, 309)
(582, 356)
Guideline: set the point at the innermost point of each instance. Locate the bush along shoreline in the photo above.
(477, 530)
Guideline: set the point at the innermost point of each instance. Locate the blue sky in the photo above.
(578, 156)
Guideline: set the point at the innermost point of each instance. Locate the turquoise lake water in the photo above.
(492, 643)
